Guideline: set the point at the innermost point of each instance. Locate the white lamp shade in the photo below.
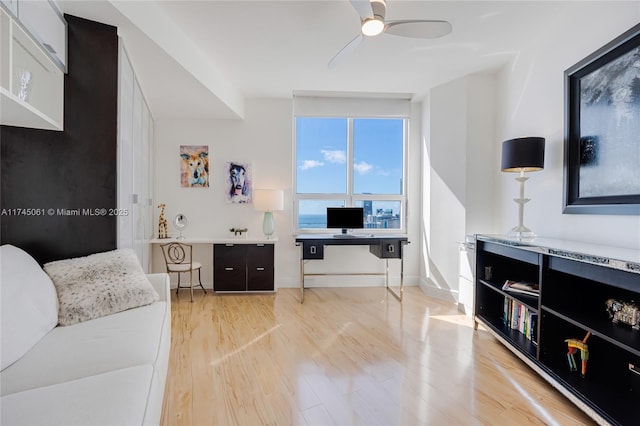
(268, 200)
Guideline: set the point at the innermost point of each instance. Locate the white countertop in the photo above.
(211, 240)
(616, 257)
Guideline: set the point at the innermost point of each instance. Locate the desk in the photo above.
(382, 246)
(240, 265)
(222, 240)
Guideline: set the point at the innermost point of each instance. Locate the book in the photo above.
(521, 287)
(533, 328)
(518, 317)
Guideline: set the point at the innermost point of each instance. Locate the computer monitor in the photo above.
(345, 218)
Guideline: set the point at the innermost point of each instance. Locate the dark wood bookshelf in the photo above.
(574, 287)
(514, 337)
(531, 302)
(617, 334)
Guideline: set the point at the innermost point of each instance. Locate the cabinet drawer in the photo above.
(233, 255)
(260, 278)
(230, 278)
(312, 250)
(260, 255)
(387, 249)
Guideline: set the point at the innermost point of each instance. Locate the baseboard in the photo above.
(465, 310)
(432, 290)
(207, 285)
(328, 281)
(344, 281)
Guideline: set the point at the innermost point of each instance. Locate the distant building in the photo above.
(382, 219)
(368, 208)
(369, 220)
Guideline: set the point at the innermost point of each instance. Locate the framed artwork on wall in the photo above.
(194, 166)
(239, 184)
(602, 130)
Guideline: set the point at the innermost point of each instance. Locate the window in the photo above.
(350, 162)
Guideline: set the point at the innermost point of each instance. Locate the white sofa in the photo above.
(105, 371)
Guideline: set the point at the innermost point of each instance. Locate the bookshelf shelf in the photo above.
(575, 280)
(530, 301)
(514, 337)
(616, 334)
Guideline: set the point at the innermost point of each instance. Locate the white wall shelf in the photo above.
(43, 107)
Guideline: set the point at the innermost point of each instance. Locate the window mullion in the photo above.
(405, 156)
(350, 161)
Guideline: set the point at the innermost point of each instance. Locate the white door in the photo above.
(125, 151)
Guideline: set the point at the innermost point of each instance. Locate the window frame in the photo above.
(349, 197)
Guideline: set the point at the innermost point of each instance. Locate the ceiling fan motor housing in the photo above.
(379, 8)
(372, 26)
(372, 14)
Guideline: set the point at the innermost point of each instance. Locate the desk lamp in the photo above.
(522, 155)
(268, 201)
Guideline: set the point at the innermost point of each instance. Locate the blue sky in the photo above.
(322, 155)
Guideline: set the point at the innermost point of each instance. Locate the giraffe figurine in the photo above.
(163, 227)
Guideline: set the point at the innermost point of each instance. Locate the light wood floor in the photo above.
(346, 356)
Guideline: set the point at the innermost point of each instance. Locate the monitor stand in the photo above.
(344, 235)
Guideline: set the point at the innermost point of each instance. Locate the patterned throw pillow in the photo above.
(98, 285)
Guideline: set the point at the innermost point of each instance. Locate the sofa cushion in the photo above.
(129, 338)
(116, 398)
(98, 285)
(29, 307)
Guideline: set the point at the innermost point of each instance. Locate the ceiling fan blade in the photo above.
(346, 51)
(418, 28)
(363, 7)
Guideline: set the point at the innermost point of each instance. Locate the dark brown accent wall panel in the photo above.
(67, 177)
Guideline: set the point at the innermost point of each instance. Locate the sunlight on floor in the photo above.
(329, 342)
(342, 357)
(544, 414)
(245, 346)
(461, 319)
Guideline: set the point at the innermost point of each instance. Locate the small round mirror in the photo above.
(180, 222)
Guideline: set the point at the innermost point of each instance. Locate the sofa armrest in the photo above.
(160, 283)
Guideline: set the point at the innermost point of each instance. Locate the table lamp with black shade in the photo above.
(522, 155)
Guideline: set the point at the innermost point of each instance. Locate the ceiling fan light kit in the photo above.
(373, 24)
(372, 17)
(372, 27)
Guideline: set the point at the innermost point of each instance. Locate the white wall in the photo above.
(263, 138)
(464, 124)
(458, 185)
(531, 96)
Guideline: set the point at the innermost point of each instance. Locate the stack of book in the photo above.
(518, 317)
(521, 287)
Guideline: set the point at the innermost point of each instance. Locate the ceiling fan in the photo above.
(372, 13)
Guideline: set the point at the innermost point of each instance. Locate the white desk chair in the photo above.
(179, 258)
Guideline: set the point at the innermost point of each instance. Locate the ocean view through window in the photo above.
(350, 162)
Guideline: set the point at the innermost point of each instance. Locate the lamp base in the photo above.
(521, 233)
(268, 225)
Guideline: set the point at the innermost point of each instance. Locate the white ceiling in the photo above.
(258, 49)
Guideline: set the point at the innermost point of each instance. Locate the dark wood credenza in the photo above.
(240, 267)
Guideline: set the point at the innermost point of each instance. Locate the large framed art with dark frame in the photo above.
(602, 130)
